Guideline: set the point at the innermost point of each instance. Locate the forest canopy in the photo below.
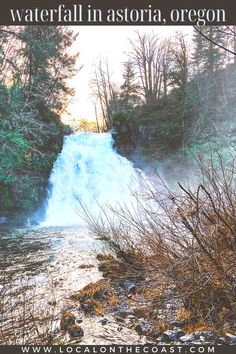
(177, 94)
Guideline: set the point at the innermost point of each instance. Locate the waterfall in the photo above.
(88, 169)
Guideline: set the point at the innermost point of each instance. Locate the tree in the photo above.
(48, 65)
(36, 60)
(208, 49)
(229, 32)
(104, 91)
(11, 43)
(35, 65)
(129, 90)
(165, 67)
(145, 56)
(180, 63)
(233, 35)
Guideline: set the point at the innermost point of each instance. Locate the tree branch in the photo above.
(215, 43)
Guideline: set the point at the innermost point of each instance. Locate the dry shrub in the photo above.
(25, 317)
(184, 240)
(98, 291)
(94, 297)
(117, 267)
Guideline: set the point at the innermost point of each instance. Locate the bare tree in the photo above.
(165, 67)
(96, 116)
(104, 91)
(146, 57)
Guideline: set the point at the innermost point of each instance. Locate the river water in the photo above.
(41, 266)
(40, 269)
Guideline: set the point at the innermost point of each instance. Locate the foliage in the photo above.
(40, 68)
(207, 56)
(185, 238)
(183, 121)
(48, 64)
(129, 90)
(24, 165)
(33, 87)
(87, 126)
(193, 101)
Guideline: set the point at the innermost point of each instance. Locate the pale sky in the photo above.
(106, 41)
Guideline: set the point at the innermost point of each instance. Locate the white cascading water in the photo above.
(88, 169)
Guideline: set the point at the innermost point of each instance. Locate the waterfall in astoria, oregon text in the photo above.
(88, 169)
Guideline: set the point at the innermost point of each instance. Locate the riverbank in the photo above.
(39, 268)
(167, 275)
(68, 292)
(170, 264)
(121, 311)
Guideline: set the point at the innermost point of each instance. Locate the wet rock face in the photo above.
(142, 327)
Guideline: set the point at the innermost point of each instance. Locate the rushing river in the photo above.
(42, 266)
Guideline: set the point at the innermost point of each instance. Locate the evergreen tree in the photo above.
(129, 93)
(180, 63)
(48, 64)
(207, 56)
